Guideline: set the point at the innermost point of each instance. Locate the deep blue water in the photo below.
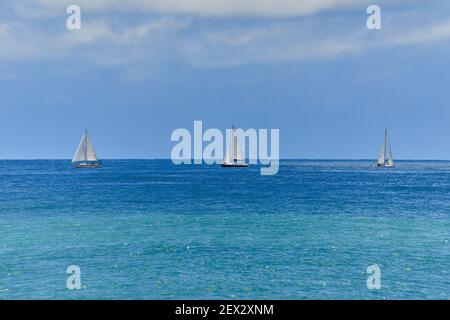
(147, 229)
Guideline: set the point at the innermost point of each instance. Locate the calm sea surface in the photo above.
(147, 229)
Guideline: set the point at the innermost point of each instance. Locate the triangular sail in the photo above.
(80, 154)
(382, 157)
(390, 161)
(85, 150)
(233, 153)
(90, 152)
(229, 154)
(237, 150)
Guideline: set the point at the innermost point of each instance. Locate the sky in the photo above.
(139, 69)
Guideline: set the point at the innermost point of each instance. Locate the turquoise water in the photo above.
(151, 230)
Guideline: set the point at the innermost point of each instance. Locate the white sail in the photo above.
(239, 155)
(228, 159)
(90, 152)
(233, 153)
(237, 150)
(80, 154)
(229, 154)
(85, 150)
(382, 157)
(390, 162)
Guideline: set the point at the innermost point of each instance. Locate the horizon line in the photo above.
(301, 159)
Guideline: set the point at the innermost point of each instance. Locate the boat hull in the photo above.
(93, 165)
(380, 166)
(234, 165)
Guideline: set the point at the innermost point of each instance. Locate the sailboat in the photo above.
(85, 156)
(233, 155)
(382, 158)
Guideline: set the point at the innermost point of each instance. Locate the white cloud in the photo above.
(421, 35)
(271, 43)
(291, 41)
(19, 43)
(99, 42)
(211, 7)
(111, 40)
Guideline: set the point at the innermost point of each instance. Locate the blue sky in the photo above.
(139, 69)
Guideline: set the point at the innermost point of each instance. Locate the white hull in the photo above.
(88, 165)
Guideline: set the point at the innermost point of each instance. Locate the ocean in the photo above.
(147, 229)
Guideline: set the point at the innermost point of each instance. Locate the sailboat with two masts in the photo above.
(382, 162)
(233, 155)
(85, 156)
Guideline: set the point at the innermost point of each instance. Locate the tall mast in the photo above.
(85, 144)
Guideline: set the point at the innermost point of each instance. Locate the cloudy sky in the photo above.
(139, 69)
